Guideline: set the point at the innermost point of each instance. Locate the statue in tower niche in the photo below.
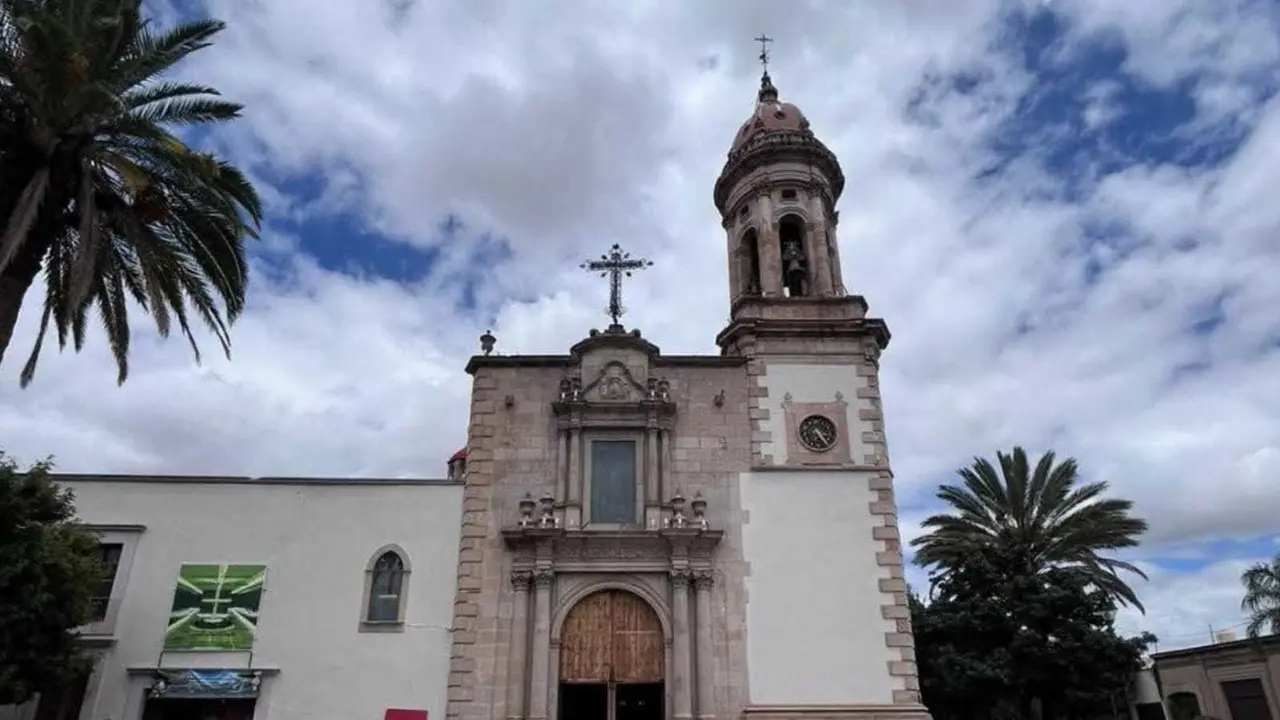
(795, 270)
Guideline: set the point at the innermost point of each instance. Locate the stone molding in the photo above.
(618, 551)
(776, 147)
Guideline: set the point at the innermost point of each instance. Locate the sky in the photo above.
(1064, 209)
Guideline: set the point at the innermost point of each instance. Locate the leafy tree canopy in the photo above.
(991, 645)
(1262, 597)
(99, 192)
(49, 569)
(1031, 519)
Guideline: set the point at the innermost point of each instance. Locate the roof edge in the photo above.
(247, 480)
(1260, 643)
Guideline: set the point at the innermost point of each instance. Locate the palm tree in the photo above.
(1262, 597)
(1032, 520)
(97, 191)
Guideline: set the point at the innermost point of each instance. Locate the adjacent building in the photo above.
(1228, 680)
(279, 598)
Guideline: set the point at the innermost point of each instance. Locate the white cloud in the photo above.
(565, 129)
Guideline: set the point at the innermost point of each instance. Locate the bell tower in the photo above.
(777, 196)
(828, 627)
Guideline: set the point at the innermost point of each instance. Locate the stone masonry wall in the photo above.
(512, 451)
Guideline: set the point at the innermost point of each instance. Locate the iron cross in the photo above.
(615, 264)
(764, 41)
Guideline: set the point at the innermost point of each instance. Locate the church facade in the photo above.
(628, 535)
(656, 536)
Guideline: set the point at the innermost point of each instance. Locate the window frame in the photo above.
(366, 604)
(127, 536)
(637, 440)
(108, 583)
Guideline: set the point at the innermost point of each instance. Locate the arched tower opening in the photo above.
(794, 258)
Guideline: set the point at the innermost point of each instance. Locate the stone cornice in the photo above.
(804, 328)
(605, 550)
(775, 147)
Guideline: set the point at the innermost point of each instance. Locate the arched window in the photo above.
(1184, 706)
(386, 586)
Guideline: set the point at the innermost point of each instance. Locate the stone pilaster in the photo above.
(562, 464)
(518, 658)
(702, 581)
(682, 673)
(885, 537)
(539, 668)
(575, 465)
(466, 653)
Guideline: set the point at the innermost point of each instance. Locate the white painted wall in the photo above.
(815, 633)
(814, 629)
(813, 383)
(316, 540)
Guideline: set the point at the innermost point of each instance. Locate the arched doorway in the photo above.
(612, 659)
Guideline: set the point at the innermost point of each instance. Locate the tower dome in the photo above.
(770, 115)
(776, 134)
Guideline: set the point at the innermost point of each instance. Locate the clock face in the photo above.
(817, 433)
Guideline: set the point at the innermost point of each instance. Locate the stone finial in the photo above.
(486, 342)
(548, 518)
(678, 519)
(699, 506)
(526, 510)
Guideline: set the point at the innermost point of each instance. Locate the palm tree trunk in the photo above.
(15, 281)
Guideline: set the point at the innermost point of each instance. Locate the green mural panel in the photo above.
(215, 607)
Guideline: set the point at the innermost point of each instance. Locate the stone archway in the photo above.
(612, 659)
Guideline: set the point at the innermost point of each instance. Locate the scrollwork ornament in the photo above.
(703, 580)
(680, 579)
(543, 578)
(521, 579)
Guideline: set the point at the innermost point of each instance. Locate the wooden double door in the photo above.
(612, 660)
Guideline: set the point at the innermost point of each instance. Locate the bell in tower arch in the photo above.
(795, 267)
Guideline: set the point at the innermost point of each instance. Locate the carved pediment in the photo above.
(614, 385)
(614, 395)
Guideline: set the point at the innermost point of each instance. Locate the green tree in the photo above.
(49, 569)
(1032, 520)
(1262, 597)
(992, 646)
(97, 191)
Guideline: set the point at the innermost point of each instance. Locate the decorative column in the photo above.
(702, 581)
(682, 674)
(819, 259)
(770, 254)
(833, 249)
(539, 665)
(664, 474)
(651, 465)
(518, 658)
